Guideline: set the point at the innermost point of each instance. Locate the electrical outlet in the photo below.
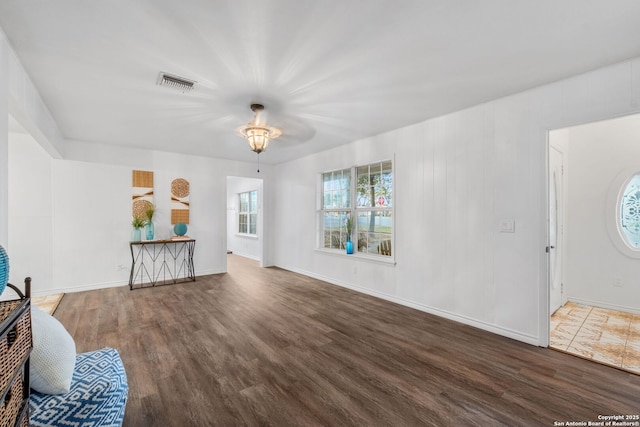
(120, 267)
(618, 282)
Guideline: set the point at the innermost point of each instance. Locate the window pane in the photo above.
(345, 194)
(336, 189)
(253, 218)
(244, 202)
(365, 190)
(242, 223)
(630, 212)
(375, 230)
(375, 185)
(385, 188)
(334, 231)
(253, 204)
(327, 182)
(374, 172)
(327, 199)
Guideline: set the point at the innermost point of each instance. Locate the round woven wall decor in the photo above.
(140, 208)
(180, 187)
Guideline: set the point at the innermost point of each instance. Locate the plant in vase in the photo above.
(148, 227)
(349, 227)
(137, 223)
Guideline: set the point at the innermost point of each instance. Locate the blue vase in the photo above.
(4, 269)
(135, 234)
(180, 229)
(349, 246)
(149, 230)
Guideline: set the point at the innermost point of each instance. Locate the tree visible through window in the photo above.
(248, 213)
(374, 208)
(364, 193)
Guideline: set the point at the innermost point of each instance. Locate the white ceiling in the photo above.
(328, 71)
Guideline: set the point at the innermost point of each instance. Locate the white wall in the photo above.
(30, 212)
(19, 97)
(247, 246)
(90, 196)
(4, 143)
(27, 107)
(603, 155)
(457, 177)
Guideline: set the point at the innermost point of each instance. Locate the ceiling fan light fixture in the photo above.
(257, 133)
(176, 82)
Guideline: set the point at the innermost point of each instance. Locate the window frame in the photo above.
(354, 210)
(373, 208)
(613, 208)
(625, 235)
(248, 214)
(334, 210)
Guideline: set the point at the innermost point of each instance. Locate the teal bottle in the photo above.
(349, 246)
(149, 230)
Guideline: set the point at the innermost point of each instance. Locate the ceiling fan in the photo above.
(257, 133)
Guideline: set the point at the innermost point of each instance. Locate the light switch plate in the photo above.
(508, 226)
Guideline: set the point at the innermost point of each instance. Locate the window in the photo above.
(622, 213)
(364, 193)
(374, 208)
(336, 207)
(248, 213)
(630, 212)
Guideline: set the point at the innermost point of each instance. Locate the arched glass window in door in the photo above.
(629, 220)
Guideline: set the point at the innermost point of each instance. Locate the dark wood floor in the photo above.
(270, 347)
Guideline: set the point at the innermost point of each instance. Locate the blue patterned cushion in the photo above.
(97, 397)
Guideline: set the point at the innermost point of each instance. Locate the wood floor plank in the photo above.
(262, 347)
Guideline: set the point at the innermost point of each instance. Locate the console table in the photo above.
(161, 262)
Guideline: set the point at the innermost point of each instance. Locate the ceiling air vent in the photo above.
(180, 83)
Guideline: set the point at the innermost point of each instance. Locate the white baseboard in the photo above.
(498, 330)
(607, 306)
(81, 288)
(211, 271)
(253, 257)
(103, 285)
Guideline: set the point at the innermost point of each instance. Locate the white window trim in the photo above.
(378, 259)
(248, 213)
(382, 259)
(612, 212)
(247, 236)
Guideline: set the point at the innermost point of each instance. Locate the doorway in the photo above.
(245, 217)
(593, 296)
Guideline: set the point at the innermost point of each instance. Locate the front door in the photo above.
(556, 172)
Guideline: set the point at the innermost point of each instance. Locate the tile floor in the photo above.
(48, 303)
(605, 336)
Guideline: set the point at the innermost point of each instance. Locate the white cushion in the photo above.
(53, 357)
